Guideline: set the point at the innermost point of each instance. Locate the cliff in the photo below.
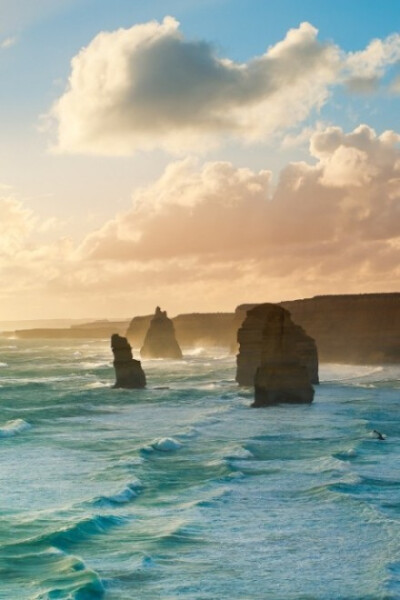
(128, 371)
(160, 341)
(354, 328)
(203, 329)
(95, 330)
(359, 329)
(255, 348)
(137, 330)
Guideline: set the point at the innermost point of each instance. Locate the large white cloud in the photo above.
(207, 237)
(365, 68)
(27, 260)
(327, 227)
(148, 87)
(16, 222)
(188, 212)
(222, 211)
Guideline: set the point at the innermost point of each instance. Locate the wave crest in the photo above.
(130, 492)
(14, 427)
(166, 445)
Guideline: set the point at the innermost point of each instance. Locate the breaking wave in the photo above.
(14, 427)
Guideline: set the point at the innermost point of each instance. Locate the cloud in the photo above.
(148, 86)
(209, 236)
(220, 210)
(26, 261)
(395, 85)
(19, 14)
(365, 69)
(217, 210)
(335, 220)
(8, 42)
(16, 223)
(302, 138)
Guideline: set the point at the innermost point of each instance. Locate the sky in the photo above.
(196, 154)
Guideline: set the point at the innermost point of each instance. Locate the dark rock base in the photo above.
(286, 383)
(130, 375)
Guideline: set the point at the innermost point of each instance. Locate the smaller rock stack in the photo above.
(128, 371)
(160, 341)
(276, 356)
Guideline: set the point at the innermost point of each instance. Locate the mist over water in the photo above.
(184, 491)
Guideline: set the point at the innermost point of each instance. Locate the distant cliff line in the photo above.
(353, 328)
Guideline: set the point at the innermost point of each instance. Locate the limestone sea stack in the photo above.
(275, 356)
(254, 343)
(128, 371)
(160, 341)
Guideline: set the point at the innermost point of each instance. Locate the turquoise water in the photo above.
(188, 493)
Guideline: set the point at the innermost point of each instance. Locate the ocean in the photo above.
(181, 491)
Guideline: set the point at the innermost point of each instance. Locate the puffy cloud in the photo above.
(16, 223)
(16, 15)
(207, 237)
(335, 221)
(26, 261)
(148, 86)
(395, 85)
(218, 210)
(224, 211)
(365, 68)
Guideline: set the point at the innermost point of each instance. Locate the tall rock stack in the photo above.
(253, 343)
(128, 371)
(276, 356)
(193, 329)
(160, 341)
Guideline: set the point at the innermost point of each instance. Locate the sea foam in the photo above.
(14, 427)
(166, 445)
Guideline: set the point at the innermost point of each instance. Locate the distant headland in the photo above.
(354, 328)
